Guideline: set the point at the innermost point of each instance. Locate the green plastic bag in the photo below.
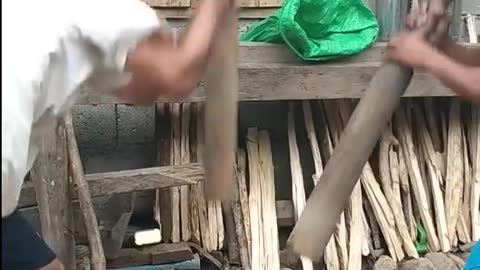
(318, 30)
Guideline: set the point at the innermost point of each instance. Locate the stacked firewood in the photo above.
(182, 213)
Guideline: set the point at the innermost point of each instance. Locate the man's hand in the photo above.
(410, 49)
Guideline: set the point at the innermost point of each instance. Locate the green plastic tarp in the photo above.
(318, 30)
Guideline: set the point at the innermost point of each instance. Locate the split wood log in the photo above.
(53, 194)
(383, 213)
(330, 256)
(162, 207)
(175, 156)
(395, 174)
(406, 196)
(464, 227)
(220, 225)
(243, 195)
(387, 141)
(298, 189)
(202, 203)
(474, 142)
(373, 225)
(434, 175)
(270, 227)
(233, 248)
(356, 224)
(454, 180)
(367, 245)
(404, 132)
(185, 216)
(221, 110)
(433, 125)
(475, 150)
(255, 200)
(333, 119)
(239, 218)
(334, 128)
(90, 219)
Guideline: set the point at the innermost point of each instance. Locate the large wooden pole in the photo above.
(221, 110)
(327, 201)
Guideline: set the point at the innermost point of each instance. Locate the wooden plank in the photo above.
(130, 180)
(270, 3)
(50, 178)
(168, 3)
(244, 12)
(270, 72)
(248, 3)
(283, 208)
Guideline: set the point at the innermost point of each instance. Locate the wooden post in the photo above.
(86, 204)
(52, 189)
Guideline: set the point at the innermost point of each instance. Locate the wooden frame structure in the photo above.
(267, 72)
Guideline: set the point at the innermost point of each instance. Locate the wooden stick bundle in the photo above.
(434, 174)
(404, 131)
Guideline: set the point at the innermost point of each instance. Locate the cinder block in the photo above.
(136, 124)
(95, 125)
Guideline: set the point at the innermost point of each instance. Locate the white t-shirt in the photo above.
(50, 49)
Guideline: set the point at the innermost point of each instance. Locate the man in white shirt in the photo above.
(51, 49)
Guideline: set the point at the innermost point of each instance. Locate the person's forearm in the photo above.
(462, 79)
(461, 54)
(196, 44)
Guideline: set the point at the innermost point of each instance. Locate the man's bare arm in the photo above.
(463, 79)
(160, 68)
(466, 56)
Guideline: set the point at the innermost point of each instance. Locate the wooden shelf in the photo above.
(272, 72)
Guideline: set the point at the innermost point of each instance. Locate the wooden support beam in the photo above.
(130, 180)
(50, 179)
(284, 209)
(272, 72)
(86, 205)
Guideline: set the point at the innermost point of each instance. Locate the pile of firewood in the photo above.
(424, 176)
